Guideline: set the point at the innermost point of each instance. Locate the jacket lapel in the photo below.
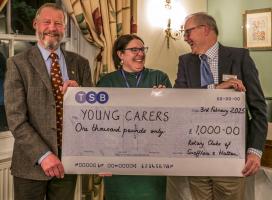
(71, 67)
(224, 62)
(38, 64)
(194, 71)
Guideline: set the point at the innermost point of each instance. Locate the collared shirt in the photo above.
(63, 68)
(212, 55)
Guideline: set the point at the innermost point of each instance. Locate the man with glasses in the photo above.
(35, 83)
(212, 65)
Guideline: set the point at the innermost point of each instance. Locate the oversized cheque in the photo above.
(190, 132)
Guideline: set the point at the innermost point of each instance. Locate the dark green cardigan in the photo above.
(149, 78)
(121, 187)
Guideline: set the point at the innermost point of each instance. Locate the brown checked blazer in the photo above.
(30, 107)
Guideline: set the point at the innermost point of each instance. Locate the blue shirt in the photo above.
(63, 68)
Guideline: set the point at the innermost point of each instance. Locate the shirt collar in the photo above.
(213, 51)
(46, 53)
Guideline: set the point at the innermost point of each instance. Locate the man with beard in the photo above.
(212, 65)
(33, 101)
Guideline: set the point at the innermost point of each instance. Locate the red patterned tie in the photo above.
(57, 81)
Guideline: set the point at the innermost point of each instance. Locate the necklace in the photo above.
(138, 77)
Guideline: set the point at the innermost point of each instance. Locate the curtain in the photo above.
(2, 4)
(101, 22)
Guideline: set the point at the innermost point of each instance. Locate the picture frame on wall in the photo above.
(257, 29)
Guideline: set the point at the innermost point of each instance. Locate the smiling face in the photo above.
(132, 61)
(50, 27)
(195, 36)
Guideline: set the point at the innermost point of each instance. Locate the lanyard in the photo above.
(126, 81)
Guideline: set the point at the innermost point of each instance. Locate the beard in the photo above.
(50, 43)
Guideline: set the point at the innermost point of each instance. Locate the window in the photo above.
(16, 34)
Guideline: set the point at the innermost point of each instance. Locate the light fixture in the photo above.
(169, 32)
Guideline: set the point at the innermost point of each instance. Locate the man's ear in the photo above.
(34, 24)
(207, 30)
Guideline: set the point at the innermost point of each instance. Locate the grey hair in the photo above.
(55, 6)
(202, 18)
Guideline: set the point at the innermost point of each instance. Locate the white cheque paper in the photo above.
(186, 132)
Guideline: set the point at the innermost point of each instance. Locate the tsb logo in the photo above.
(92, 97)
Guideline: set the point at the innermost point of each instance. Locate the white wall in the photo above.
(6, 144)
(159, 56)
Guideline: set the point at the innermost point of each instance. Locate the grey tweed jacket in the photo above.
(30, 107)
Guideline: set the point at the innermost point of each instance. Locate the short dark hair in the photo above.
(55, 6)
(202, 18)
(120, 44)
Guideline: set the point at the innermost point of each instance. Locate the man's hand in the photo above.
(52, 166)
(159, 86)
(253, 163)
(232, 83)
(69, 83)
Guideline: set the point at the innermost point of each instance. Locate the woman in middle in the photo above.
(129, 58)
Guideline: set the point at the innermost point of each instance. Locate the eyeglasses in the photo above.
(135, 50)
(188, 31)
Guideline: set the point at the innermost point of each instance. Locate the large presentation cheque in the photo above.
(181, 132)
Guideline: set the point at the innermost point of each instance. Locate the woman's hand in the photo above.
(159, 86)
